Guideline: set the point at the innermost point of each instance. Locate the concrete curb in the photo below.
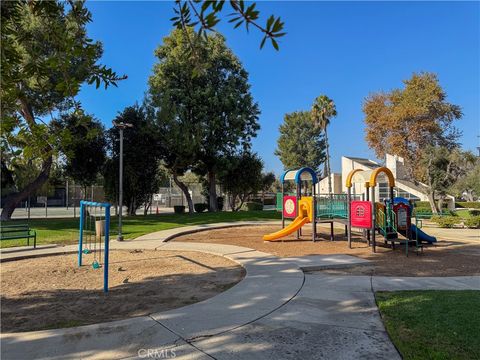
(269, 284)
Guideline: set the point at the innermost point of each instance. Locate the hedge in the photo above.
(446, 221)
(426, 204)
(179, 209)
(474, 212)
(252, 206)
(473, 222)
(200, 207)
(468, 204)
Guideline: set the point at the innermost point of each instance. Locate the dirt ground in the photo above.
(446, 258)
(51, 292)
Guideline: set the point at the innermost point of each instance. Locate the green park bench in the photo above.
(18, 231)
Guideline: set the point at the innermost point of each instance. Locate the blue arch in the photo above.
(282, 178)
(298, 175)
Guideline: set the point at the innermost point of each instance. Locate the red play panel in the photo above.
(403, 216)
(361, 214)
(289, 206)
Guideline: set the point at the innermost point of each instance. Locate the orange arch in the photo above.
(386, 171)
(350, 176)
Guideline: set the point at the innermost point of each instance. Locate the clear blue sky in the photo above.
(342, 49)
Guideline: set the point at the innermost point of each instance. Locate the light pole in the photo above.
(120, 126)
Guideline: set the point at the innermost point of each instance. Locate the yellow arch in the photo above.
(350, 176)
(386, 171)
(373, 177)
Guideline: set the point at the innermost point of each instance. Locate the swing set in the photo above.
(94, 226)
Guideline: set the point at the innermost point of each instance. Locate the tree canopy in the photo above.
(211, 106)
(205, 17)
(243, 177)
(46, 56)
(441, 168)
(405, 122)
(140, 171)
(301, 143)
(83, 144)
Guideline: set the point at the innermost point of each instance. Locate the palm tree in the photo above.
(324, 109)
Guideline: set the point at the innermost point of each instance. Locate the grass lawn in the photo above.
(465, 214)
(433, 324)
(66, 230)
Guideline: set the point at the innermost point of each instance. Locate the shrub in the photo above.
(474, 212)
(270, 201)
(179, 209)
(468, 204)
(473, 222)
(423, 213)
(200, 207)
(426, 204)
(252, 206)
(447, 221)
(220, 202)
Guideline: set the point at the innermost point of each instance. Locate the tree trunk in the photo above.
(184, 189)
(14, 199)
(470, 195)
(327, 163)
(212, 192)
(440, 203)
(433, 204)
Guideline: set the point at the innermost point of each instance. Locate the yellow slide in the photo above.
(305, 215)
(294, 226)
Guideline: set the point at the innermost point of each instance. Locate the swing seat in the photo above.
(86, 251)
(96, 265)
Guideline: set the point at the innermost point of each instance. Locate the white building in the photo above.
(404, 187)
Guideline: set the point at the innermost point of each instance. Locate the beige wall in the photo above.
(322, 186)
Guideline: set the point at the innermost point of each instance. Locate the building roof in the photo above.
(362, 161)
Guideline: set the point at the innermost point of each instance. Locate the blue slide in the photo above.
(422, 237)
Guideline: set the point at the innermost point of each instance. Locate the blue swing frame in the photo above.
(107, 206)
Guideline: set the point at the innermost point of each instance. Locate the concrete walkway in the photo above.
(276, 312)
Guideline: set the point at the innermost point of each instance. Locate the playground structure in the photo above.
(392, 218)
(389, 219)
(92, 228)
(305, 206)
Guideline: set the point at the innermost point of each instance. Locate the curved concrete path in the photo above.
(276, 312)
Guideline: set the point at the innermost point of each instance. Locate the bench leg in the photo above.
(35, 242)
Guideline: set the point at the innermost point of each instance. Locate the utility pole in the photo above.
(478, 147)
(121, 126)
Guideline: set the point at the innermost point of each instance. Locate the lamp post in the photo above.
(120, 126)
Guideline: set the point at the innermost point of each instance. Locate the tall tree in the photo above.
(405, 122)
(442, 167)
(176, 144)
(468, 184)
(46, 56)
(213, 105)
(83, 143)
(323, 110)
(140, 171)
(242, 178)
(301, 143)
